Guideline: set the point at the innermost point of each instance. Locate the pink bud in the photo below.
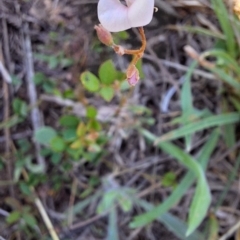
(104, 35)
(132, 75)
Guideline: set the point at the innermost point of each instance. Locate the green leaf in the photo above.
(208, 122)
(20, 107)
(69, 121)
(169, 179)
(44, 135)
(107, 93)
(107, 201)
(69, 134)
(107, 72)
(13, 217)
(30, 220)
(223, 58)
(186, 102)
(94, 125)
(90, 81)
(56, 158)
(186, 94)
(39, 78)
(174, 224)
(79, 207)
(25, 189)
(57, 144)
(125, 203)
(199, 206)
(181, 189)
(202, 197)
(91, 112)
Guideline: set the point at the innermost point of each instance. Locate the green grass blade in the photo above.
(224, 58)
(202, 197)
(229, 135)
(181, 189)
(198, 30)
(208, 122)
(186, 94)
(229, 130)
(112, 225)
(174, 224)
(225, 77)
(231, 178)
(184, 185)
(200, 204)
(79, 207)
(223, 18)
(235, 102)
(186, 101)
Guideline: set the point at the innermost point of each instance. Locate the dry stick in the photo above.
(6, 101)
(6, 76)
(71, 201)
(231, 231)
(180, 67)
(42, 210)
(32, 93)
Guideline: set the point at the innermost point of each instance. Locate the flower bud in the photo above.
(104, 35)
(132, 75)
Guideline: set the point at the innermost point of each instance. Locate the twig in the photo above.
(42, 211)
(180, 67)
(17, 136)
(88, 221)
(230, 231)
(4, 213)
(32, 93)
(71, 201)
(6, 76)
(6, 100)
(105, 113)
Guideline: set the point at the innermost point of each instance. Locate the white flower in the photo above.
(116, 17)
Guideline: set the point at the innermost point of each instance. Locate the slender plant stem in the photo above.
(139, 51)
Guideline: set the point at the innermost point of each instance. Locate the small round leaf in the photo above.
(44, 135)
(107, 72)
(90, 81)
(107, 93)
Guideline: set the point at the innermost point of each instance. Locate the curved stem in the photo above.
(137, 51)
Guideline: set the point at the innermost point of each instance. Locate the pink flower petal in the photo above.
(113, 15)
(140, 12)
(129, 2)
(116, 17)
